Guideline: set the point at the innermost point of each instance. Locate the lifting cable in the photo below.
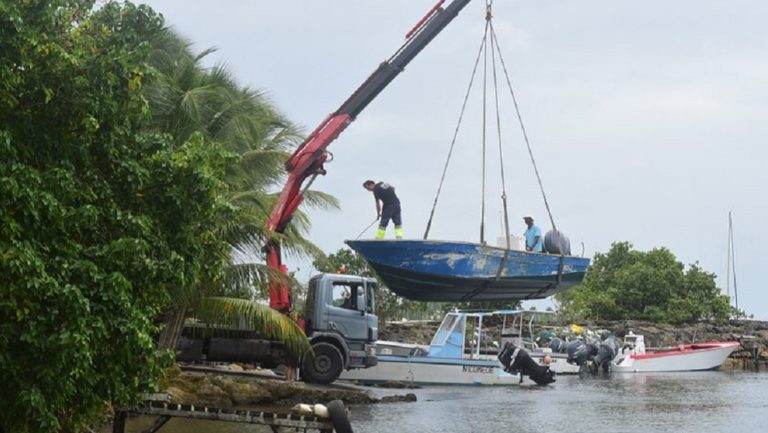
(490, 32)
(525, 134)
(494, 43)
(456, 133)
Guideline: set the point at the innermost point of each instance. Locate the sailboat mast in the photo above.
(733, 259)
(728, 258)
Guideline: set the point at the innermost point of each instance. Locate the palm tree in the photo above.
(186, 100)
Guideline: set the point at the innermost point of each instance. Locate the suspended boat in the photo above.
(450, 271)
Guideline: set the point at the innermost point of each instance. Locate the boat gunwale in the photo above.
(688, 350)
(434, 241)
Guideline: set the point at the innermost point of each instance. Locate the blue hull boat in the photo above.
(448, 271)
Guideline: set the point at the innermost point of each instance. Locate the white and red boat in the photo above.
(633, 358)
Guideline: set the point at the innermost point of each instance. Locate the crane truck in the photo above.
(339, 318)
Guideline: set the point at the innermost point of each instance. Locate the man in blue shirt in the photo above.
(532, 236)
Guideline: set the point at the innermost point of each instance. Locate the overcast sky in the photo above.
(647, 119)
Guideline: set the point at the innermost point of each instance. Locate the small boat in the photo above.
(447, 361)
(451, 271)
(634, 358)
(461, 353)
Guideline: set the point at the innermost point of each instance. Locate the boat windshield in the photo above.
(449, 338)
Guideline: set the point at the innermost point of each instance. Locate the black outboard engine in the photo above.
(516, 359)
(576, 350)
(556, 242)
(557, 345)
(580, 353)
(605, 353)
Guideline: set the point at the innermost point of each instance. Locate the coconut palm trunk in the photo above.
(173, 324)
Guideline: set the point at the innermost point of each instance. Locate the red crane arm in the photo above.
(307, 161)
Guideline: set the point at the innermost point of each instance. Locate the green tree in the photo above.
(99, 220)
(188, 99)
(653, 285)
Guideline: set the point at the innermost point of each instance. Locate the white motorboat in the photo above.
(450, 359)
(634, 358)
(461, 353)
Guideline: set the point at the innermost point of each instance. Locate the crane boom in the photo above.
(307, 160)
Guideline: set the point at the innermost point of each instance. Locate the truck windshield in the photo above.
(371, 297)
(348, 295)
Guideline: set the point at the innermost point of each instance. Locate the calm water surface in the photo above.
(631, 403)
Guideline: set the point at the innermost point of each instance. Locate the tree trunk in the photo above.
(173, 323)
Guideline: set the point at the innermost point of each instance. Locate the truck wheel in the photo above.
(339, 417)
(326, 365)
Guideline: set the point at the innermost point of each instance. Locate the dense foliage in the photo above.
(99, 220)
(189, 99)
(628, 284)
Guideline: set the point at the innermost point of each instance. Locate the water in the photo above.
(632, 403)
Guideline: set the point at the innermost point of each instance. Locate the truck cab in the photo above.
(340, 322)
(342, 326)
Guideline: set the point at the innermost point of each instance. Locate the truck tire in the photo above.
(325, 366)
(339, 417)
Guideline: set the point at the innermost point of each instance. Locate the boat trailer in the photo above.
(337, 421)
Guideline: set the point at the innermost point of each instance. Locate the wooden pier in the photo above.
(165, 411)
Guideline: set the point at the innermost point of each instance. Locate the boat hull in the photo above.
(691, 357)
(459, 271)
(431, 371)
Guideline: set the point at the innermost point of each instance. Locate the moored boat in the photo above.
(634, 358)
(449, 360)
(462, 352)
(451, 271)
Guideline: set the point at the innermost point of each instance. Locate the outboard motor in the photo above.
(556, 242)
(557, 345)
(575, 349)
(605, 353)
(516, 359)
(580, 353)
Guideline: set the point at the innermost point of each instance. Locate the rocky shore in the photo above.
(248, 388)
(225, 391)
(753, 333)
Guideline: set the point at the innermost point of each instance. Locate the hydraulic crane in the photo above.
(339, 318)
(308, 159)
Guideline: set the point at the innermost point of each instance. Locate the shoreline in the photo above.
(221, 389)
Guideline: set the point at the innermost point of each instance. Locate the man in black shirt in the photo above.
(387, 207)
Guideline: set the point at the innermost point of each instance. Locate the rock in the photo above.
(233, 367)
(209, 394)
(201, 389)
(399, 398)
(180, 396)
(396, 384)
(243, 392)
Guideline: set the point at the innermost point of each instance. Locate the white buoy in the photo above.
(321, 411)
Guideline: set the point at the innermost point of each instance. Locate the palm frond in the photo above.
(320, 200)
(247, 276)
(270, 323)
